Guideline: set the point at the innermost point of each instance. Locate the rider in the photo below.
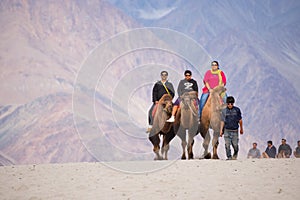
(159, 89)
(185, 85)
(212, 78)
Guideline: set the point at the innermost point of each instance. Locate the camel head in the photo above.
(188, 99)
(166, 102)
(219, 89)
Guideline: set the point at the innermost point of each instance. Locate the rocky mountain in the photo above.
(43, 44)
(76, 76)
(257, 45)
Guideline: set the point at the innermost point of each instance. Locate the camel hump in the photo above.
(165, 97)
(193, 93)
(219, 89)
(190, 94)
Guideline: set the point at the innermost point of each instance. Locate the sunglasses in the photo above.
(230, 103)
(214, 65)
(187, 75)
(164, 74)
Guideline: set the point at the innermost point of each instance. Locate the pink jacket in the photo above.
(212, 80)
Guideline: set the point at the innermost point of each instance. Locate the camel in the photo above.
(161, 127)
(187, 120)
(211, 118)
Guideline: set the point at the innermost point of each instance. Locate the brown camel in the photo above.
(211, 118)
(161, 127)
(187, 120)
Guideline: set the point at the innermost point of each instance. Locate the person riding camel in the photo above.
(159, 89)
(185, 85)
(212, 78)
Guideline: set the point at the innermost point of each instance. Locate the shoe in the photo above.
(235, 155)
(148, 129)
(172, 119)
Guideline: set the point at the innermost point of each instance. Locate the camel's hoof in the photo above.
(207, 156)
(191, 156)
(183, 157)
(158, 158)
(215, 157)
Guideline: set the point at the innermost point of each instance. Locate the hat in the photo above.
(187, 72)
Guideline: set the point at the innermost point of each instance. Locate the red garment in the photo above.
(212, 80)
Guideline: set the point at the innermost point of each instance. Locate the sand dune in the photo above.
(193, 179)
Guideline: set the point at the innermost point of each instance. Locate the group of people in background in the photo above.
(284, 150)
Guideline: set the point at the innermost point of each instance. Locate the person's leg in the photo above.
(150, 114)
(235, 143)
(174, 110)
(224, 98)
(280, 154)
(227, 144)
(202, 102)
(150, 118)
(265, 155)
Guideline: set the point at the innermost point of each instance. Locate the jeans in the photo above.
(150, 117)
(202, 102)
(231, 137)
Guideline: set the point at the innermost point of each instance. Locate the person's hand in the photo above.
(241, 131)
(156, 102)
(221, 133)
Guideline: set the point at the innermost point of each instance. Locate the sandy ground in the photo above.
(192, 179)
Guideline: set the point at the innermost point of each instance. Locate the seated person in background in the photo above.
(284, 150)
(270, 151)
(297, 150)
(254, 152)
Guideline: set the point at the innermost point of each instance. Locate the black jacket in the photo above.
(159, 90)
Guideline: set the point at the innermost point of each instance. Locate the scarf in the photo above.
(219, 75)
(220, 79)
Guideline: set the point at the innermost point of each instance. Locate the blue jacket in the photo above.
(231, 118)
(271, 151)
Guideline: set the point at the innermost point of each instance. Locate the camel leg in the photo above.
(155, 140)
(183, 144)
(164, 151)
(166, 141)
(204, 131)
(190, 146)
(205, 145)
(181, 134)
(215, 143)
